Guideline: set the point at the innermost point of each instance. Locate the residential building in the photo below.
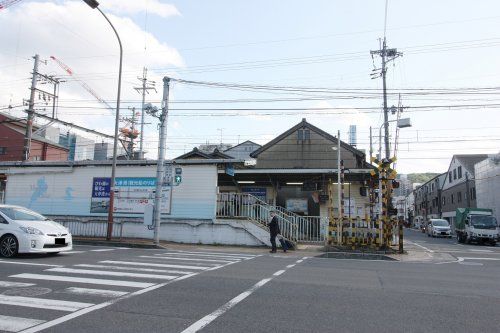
(12, 133)
(487, 178)
(80, 148)
(459, 189)
(243, 150)
(428, 202)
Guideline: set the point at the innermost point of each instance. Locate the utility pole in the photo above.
(31, 111)
(146, 86)
(132, 133)
(160, 169)
(387, 55)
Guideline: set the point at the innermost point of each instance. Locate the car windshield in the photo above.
(440, 223)
(15, 213)
(484, 222)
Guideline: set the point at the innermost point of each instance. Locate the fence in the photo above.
(95, 228)
(242, 205)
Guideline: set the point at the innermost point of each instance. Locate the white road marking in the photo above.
(135, 269)
(102, 250)
(477, 250)
(290, 266)
(215, 256)
(278, 273)
(421, 246)
(73, 252)
(82, 312)
(16, 324)
(83, 280)
(469, 258)
(10, 284)
(26, 263)
(222, 253)
(134, 263)
(299, 261)
(94, 292)
(108, 273)
(186, 259)
(200, 324)
(42, 303)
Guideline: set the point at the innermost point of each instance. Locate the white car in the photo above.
(25, 231)
(438, 228)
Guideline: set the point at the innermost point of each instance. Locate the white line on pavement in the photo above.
(469, 258)
(26, 263)
(42, 303)
(223, 309)
(73, 252)
(83, 280)
(222, 253)
(186, 259)
(108, 273)
(214, 256)
(134, 263)
(102, 250)
(16, 324)
(290, 266)
(94, 292)
(10, 284)
(135, 269)
(421, 246)
(477, 250)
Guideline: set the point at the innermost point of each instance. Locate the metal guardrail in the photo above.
(93, 228)
(242, 205)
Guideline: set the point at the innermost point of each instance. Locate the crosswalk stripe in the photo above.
(108, 273)
(135, 269)
(95, 292)
(221, 253)
(102, 250)
(16, 324)
(10, 284)
(186, 259)
(134, 263)
(73, 252)
(214, 256)
(48, 277)
(42, 303)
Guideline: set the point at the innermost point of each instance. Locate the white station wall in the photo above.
(68, 191)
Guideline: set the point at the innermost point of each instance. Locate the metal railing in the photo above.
(242, 205)
(2, 197)
(93, 228)
(312, 229)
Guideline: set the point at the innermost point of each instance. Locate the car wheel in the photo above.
(8, 246)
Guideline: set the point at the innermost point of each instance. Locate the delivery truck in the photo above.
(476, 225)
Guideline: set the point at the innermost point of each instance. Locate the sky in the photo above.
(256, 68)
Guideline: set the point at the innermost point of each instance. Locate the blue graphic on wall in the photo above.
(39, 191)
(69, 194)
(101, 187)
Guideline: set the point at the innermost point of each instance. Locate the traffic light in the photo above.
(177, 179)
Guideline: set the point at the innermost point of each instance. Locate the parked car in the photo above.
(438, 228)
(25, 231)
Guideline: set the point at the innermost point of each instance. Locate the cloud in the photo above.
(152, 7)
(81, 38)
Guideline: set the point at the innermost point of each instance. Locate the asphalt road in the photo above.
(440, 286)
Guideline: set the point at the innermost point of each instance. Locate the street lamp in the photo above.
(94, 5)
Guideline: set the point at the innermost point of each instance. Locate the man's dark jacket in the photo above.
(274, 228)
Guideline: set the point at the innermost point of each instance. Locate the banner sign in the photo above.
(132, 194)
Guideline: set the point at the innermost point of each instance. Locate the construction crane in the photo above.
(91, 91)
(7, 3)
(84, 85)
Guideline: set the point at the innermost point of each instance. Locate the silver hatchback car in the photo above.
(438, 228)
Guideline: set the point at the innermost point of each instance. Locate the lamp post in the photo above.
(94, 5)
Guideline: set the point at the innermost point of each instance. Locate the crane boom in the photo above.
(7, 3)
(85, 86)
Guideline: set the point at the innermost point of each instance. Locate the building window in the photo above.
(444, 201)
(459, 197)
(459, 172)
(449, 176)
(452, 197)
(303, 135)
(454, 173)
(3, 150)
(473, 193)
(432, 187)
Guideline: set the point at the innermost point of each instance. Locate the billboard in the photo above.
(132, 194)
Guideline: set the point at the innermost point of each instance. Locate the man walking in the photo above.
(274, 230)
